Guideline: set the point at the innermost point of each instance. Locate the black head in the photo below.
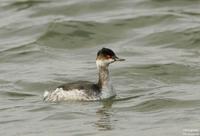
(105, 52)
(107, 56)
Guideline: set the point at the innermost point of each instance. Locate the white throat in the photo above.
(102, 63)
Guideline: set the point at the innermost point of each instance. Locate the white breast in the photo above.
(108, 91)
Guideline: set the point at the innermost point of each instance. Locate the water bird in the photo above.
(85, 90)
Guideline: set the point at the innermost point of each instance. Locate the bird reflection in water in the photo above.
(105, 113)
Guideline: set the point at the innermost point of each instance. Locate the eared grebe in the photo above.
(87, 91)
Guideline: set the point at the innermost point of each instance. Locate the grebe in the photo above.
(88, 91)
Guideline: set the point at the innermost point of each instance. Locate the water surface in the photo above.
(44, 43)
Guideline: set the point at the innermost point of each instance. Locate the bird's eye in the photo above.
(108, 56)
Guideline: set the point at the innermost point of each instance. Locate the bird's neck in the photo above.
(104, 79)
(104, 82)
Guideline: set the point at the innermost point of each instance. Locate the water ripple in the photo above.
(165, 104)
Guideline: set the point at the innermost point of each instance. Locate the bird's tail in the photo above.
(46, 93)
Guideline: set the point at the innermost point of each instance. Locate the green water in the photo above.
(44, 43)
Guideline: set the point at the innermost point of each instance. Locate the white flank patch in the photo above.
(61, 95)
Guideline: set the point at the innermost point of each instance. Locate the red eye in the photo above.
(108, 56)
